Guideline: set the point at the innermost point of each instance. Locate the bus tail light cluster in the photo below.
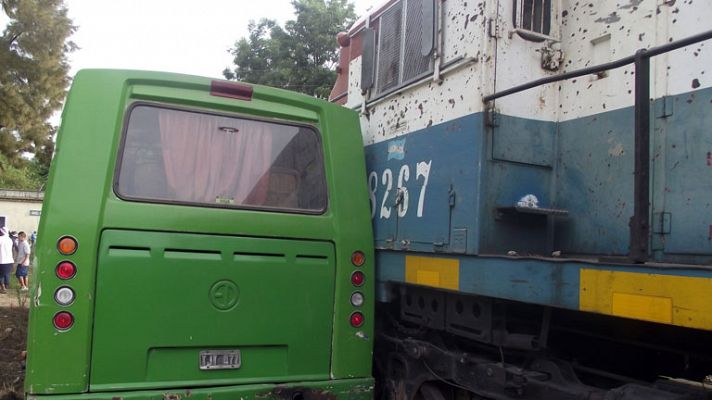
(64, 296)
(67, 245)
(65, 270)
(357, 279)
(63, 320)
(356, 319)
(357, 299)
(358, 258)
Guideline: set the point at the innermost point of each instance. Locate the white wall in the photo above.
(17, 215)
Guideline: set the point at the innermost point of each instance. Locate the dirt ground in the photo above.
(13, 336)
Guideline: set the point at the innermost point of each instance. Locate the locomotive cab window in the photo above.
(533, 15)
(185, 157)
(404, 44)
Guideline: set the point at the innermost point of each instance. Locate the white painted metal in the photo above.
(623, 27)
(483, 52)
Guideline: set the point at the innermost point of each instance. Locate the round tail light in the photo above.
(357, 299)
(64, 296)
(358, 258)
(66, 270)
(67, 245)
(357, 278)
(356, 319)
(63, 320)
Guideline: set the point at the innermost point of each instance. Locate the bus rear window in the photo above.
(186, 157)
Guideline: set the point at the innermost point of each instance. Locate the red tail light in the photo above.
(232, 90)
(66, 270)
(63, 320)
(357, 278)
(356, 319)
(358, 258)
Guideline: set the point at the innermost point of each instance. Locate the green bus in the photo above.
(204, 239)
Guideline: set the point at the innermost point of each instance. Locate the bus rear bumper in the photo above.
(356, 389)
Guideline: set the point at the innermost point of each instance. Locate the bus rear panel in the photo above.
(202, 238)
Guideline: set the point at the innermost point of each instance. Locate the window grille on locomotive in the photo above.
(533, 15)
(405, 43)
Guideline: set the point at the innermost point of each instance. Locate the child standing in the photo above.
(6, 259)
(23, 260)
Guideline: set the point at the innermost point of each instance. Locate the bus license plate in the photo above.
(220, 359)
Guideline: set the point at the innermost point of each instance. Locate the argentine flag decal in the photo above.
(396, 149)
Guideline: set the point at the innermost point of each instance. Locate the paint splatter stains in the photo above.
(695, 83)
(632, 4)
(709, 158)
(611, 18)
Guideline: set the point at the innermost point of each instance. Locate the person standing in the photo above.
(6, 259)
(15, 241)
(23, 260)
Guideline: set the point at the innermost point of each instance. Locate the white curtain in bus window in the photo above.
(189, 157)
(215, 159)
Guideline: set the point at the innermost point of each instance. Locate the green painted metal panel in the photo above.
(351, 389)
(162, 298)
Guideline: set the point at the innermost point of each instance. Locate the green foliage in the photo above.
(33, 77)
(302, 56)
(22, 174)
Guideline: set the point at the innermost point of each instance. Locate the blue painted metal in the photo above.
(583, 165)
(595, 183)
(391, 268)
(465, 187)
(524, 140)
(454, 152)
(505, 183)
(686, 183)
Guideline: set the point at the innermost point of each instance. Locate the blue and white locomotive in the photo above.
(540, 176)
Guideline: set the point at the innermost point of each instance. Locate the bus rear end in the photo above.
(202, 239)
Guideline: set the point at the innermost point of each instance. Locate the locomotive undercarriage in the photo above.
(435, 344)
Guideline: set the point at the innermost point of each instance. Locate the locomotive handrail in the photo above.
(639, 224)
(651, 52)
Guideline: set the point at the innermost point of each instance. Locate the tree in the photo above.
(34, 77)
(31, 176)
(302, 56)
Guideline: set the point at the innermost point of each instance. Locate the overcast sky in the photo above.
(169, 35)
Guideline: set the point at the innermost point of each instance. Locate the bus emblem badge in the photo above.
(224, 295)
